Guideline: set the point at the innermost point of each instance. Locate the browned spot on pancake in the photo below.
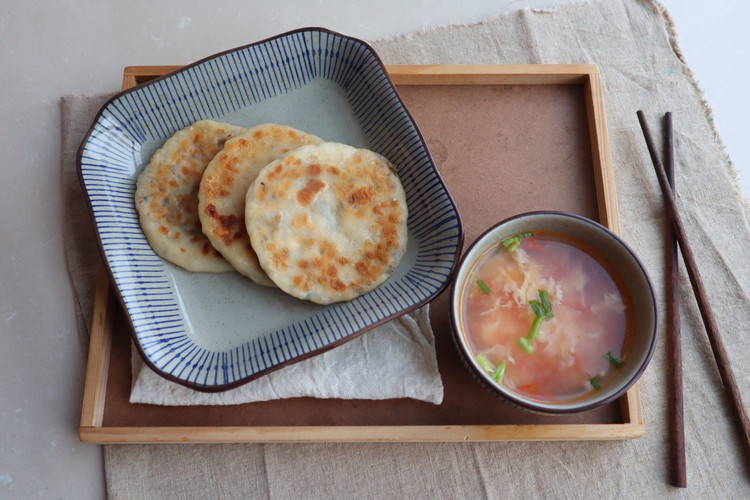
(314, 169)
(176, 235)
(302, 282)
(173, 183)
(375, 257)
(306, 195)
(188, 202)
(277, 219)
(343, 261)
(243, 142)
(323, 269)
(328, 249)
(360, 196)
(164, 230)
(281, 258)
(182, 249)
(293, 134)
(365, 269)
(231, 166)
(258, 134)
(300, 220)
(333, 170)
(262, 192)
(228, 225)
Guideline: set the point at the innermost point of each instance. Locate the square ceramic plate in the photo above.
(213, 332)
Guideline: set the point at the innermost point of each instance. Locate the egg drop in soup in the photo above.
(547, 316)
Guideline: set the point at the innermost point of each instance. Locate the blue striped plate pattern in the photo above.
(213, 332)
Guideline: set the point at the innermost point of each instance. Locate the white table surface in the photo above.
(80, 48)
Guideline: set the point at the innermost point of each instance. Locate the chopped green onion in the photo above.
(535, 327)
(537, 308)
(614, 360)
(485, 289)
(509, 241)
(595, 383)
(514, 242)
(526, 344)
(485, 363)
(544, 297)
(542, 311)
(499, 372)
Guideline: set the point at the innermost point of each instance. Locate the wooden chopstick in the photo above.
(678, 472)
(714, 336)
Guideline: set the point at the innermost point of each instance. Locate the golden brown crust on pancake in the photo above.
(328, 221)
(166, 196)
(224, 186)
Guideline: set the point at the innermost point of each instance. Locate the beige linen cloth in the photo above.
(634, 44)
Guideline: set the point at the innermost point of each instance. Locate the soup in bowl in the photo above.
(554, 312)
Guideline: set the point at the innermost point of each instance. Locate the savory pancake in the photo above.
(327, 221)
(221, 197)
(166, 196)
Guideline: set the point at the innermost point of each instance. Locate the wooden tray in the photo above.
(507, 139)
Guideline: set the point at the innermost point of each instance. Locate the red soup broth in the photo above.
(577, 350)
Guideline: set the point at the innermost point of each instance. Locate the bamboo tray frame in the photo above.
(92, 428)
